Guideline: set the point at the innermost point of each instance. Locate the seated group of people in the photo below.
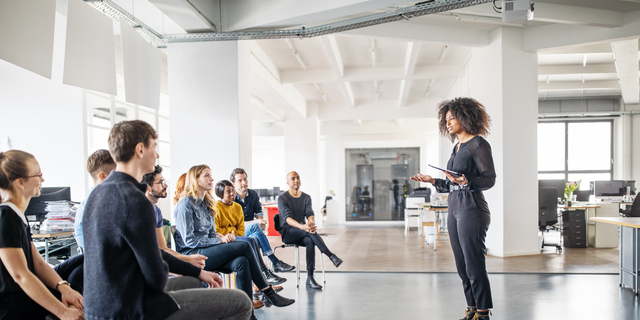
(124, 271)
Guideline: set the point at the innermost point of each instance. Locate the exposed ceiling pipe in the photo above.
(443, 54)
(373, 51)
(114, 11)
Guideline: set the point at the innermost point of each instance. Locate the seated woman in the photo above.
(230, 219)
(196, 233)
(26, 280)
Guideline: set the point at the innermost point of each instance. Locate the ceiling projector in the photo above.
(517, 11)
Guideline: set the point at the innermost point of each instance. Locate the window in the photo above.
(104, 111)
(576, 150)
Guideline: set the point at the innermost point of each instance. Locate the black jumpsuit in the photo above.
(469, 218)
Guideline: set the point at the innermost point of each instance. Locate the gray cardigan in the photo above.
(125, 271)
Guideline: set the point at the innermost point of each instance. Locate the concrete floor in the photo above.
(390, 296)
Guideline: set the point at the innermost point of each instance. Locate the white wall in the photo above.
(268, 163)
(44, 118)
(210, 110)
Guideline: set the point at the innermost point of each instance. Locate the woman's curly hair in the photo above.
(470, 113)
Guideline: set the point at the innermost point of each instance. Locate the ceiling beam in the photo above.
(296, 106)
(333, 52)
(576, 69)
(408, 31)
(185, 15)
(571, 85)
(626, 53)
(374, 110)
(413, 48)
(555, 36)
(274, 113)
(368, 74)
(604, 47)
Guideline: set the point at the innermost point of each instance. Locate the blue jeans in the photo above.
(255, 231)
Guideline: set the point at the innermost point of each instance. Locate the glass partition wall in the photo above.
(377, 182)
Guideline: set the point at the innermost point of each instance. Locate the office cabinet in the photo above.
(574, 229)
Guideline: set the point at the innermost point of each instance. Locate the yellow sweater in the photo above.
(229, 218)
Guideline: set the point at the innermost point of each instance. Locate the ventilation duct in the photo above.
(424, 8)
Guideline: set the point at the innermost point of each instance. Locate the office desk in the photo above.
(599, 235)
(438, 221)
(64, 238)
(629, 261)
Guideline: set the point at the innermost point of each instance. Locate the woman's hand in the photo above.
(462, 180)
(197, 260)
(423, 178)
(228, 238)
(71, 313)
(71, 297)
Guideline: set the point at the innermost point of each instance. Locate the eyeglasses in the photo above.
(39, 175)
(161, 182)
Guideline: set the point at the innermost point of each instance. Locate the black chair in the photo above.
(632, 210)
(276, 222)
(548, 213)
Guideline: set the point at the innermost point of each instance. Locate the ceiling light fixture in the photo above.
(443, 54)
(429, 87)
(373, 51)
(295, 53)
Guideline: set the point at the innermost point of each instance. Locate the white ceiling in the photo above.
(407, 53)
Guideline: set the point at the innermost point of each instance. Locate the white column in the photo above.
(301, 149)
(504, 79)
(209, 95)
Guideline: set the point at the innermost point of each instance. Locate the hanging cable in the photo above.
(496, 8)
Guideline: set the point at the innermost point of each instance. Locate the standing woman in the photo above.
(466, 120)
(26, 280)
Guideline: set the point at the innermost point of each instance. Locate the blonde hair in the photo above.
(179, 188)
(192, 189)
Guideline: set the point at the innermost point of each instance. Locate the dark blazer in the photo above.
(125, 271)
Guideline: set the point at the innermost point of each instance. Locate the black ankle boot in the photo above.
(469, 313)
(311, 283)
(276, 299)
(273, 278)
(336, 261)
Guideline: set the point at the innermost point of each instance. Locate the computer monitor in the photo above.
(631, 184)
(582, 195)
(612, 188)
(559, 184)
(276, 191)
(263, 193)
(547, 207)
(37, 205)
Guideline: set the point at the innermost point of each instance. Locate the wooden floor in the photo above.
(389, 250)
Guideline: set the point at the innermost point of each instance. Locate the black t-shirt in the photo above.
(13, 234)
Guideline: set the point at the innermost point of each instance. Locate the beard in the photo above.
(159, 195)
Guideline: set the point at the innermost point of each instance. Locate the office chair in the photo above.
(632, 210)
(276, 221)
(548, 214)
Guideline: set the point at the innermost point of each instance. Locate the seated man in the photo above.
(249, 200)
(157, 189)
(295, 206)
(99, 165)
(127, 270)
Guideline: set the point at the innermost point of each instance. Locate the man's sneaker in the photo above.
(469, 314)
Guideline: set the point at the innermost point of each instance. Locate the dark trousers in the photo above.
(468, 227)
(236, 256)
(256, 248)
(300, 237)
(20, 306)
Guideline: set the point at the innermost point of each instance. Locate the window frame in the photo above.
(566, 170)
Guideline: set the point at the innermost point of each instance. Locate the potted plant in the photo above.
(570, 187)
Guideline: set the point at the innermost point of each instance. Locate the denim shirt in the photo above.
(195, 227)
(251, 206)
(79, 235)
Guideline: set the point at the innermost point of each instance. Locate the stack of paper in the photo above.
(60, 216)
